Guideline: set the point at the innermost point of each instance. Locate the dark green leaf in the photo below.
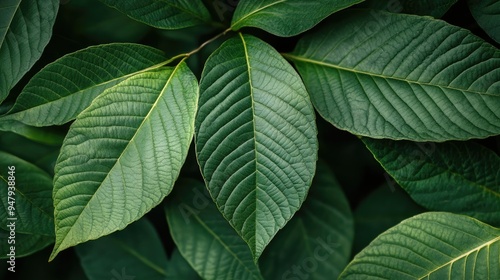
(285, 17)
(123, 154)
(396, 76)
(319, 237)
(434, 8)
(25, 30)
(135, 252)
(383, 208)
(255, 138)
(455, 177)
(26, 244)
(487, 15)
(64, 88)
(32, 202)
(180, 269)
(431, 246)
(205, 238)
(165, 14)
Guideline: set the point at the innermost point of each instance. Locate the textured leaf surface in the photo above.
(26, 244)
(136, 251)
(319, 237)
(431, 246)
(458, 177)
(165, 14)
(255, 138)
(33, 197)
(123, 154)
(205, 238)
(397, 76)
(25, 30)
(285, 17)
(64, 88)
(487, 15)
(382, 209)
(435, 8)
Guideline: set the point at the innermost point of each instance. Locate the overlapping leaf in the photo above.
(382, 209)
(255, 138)
(319, 237)
(25, 30)
(487, 15)
(26, 244)
(396, 76)
(435, 8)
(455, 177)
(285, 17)
(123, 154)
(64, 88)
(32, 200)
(431, 246)
(180, 269)
(205, 238)
(136, 251)
(165, 14)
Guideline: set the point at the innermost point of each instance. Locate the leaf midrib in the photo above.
(256, 11)
(461, 256)
(249, 69)
(211, 232)
(338, 67)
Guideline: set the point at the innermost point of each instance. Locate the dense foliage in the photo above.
(251, 139)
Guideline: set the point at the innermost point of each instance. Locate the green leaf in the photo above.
(36, 134)
(382, 209)
(25, 30)
(255, 138)
(319, 237)
(487, 15)
(431, 246)
(136, 252)
(164, 14)
(205, 238)
(395, 76)
(458, 177)
(123, 154)
(434, 8)
(26, 244)
(64, 88)
(285, 18)
(180, 269)
(32, 202)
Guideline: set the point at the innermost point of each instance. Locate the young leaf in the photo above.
(205, 238)
(164, 14)
(26, 244)
(317, 241)
(255, 138)
(455, 177)
(396, 76)
(25, 30)
(123, 154)
(136, 252)
(434, 8)
(64, 88)
(487, 15)
(32, 201)
(431, 246)
(285, 18)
